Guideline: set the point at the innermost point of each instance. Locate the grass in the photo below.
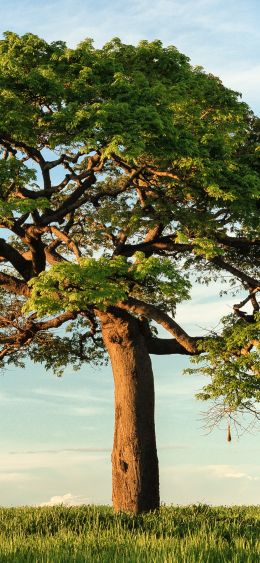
(192, 534)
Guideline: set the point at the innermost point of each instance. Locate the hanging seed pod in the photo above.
(229, 433)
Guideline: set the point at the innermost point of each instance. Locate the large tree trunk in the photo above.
(135, 476)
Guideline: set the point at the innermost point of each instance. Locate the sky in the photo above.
(56, 433)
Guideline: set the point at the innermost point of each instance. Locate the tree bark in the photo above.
(135, 474)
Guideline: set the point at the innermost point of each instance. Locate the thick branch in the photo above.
(165, 346)
(63, 237)
(33, 194)
(158, 245)
(13, 285)
(152, 312)
(241, 243)
(154, 233)
(37, 253)
(35, 231)
(21, 265)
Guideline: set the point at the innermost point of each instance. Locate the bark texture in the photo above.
(135, 474)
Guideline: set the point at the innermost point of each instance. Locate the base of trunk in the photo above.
(135, 482)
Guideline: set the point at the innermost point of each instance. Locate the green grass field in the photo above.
(197, 533)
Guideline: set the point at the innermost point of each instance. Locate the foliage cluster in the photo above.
(106, 281)
(230, 366)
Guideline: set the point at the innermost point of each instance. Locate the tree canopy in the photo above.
(126, 176)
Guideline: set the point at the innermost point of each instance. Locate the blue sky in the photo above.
(56, 434)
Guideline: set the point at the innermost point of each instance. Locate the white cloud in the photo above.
(69, 395)
(12, 398)
(228, 472)
(174, 447)
(211, 483)
(216, 471)
(177, 389)
(200, 317)
(19, 462)
(206, 307)
(67, 500)
(15, 477)
(84, 411)
(245, 80)
(61, 451)
(38, 397)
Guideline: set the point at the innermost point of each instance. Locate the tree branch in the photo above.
(57, 321)
(152, 312)
(248, 280)
(33, 153)
(70, 204)
(14, 285)
(158, 245)
(165, 346)
(237, 242)
(21, 265)
(24, 335)
(163, 174)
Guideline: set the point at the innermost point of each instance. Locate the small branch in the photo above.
(248, 298)
(248, 280)
(242, 314)
(121, 163)
(24, 335)
(66, 239)
(163, 174)
(245, 351)
(64, 157)
(57, 321)
(72, 203)
(52, 256)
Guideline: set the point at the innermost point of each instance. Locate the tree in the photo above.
(126, 175)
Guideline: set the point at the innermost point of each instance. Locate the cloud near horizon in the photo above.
(219, 471)
(217, 484)
(67, 499)
(23, 463)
